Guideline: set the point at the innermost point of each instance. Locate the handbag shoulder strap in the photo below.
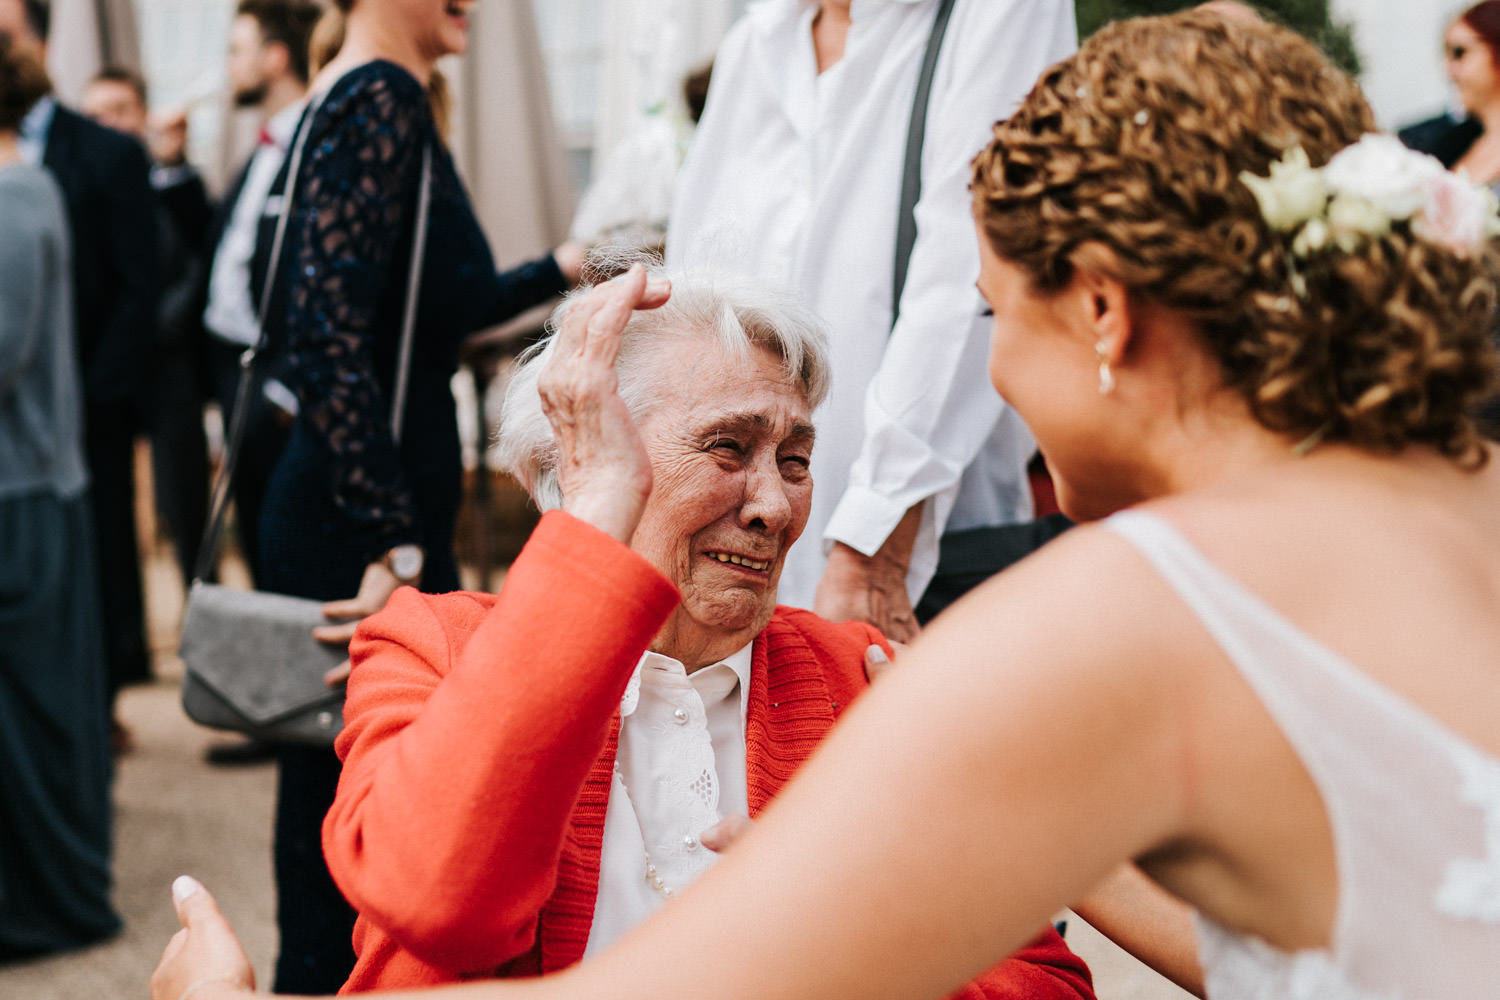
(213, 530)
(413, 291)
(911, 169)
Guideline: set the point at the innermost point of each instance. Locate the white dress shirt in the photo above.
(680, 769)
(231, 312)
(35, 128)
(795, 176)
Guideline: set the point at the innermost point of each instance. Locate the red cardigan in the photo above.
(478, 749)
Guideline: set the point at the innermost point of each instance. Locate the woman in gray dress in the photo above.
(54, 724)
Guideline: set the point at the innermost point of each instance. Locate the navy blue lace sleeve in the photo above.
(356, 195)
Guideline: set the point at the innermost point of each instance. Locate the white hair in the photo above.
(731, 313)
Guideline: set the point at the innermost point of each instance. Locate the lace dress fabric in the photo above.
(1414, 809)
(351, 493)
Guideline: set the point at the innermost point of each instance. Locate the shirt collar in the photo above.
(283, 124)
(739, 662)
(35, 128)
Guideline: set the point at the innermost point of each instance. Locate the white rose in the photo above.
(1314, 237)
(1383, 172)
(1353, 219)
(1292, 194)
(1458, 214)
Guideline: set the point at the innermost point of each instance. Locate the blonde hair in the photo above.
(1137, 143)
(328, 38)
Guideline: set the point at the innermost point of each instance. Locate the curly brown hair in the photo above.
(1137, 142)
(23, 82)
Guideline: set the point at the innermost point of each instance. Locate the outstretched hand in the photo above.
(375, 588)
(602, 465)
(204, 958)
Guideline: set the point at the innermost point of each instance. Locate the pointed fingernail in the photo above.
(184, 886)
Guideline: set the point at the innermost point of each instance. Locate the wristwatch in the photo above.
(405, 562)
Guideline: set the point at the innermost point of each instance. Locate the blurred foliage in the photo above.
(1309, 17)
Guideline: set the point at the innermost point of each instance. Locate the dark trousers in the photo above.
(109, 444)
(968, 558)
(315, 921)
(261, 447)
(179, 452)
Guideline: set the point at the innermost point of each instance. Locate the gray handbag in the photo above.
(250, 662)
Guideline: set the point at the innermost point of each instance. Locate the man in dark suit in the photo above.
(104, 178)
(268, 69)
(116, 98)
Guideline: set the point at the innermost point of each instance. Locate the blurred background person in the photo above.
(1471, 141)
(268, 71)
(116, 98)
(105, 180)
(795, 175)
(55, 763)
(348, 514)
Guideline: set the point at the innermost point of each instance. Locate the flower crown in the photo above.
(1365, 188)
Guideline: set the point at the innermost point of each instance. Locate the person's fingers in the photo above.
(335, 635)
(608, 322)
(573, 330)
(656, 294)
(351, 607)
(723, 834)
(877, 663)
(193, 903)
(339, 675)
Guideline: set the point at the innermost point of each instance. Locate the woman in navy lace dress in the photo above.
(349, 515)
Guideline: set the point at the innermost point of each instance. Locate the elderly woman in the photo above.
(1247, 336)
(357, 505)
(528, 775)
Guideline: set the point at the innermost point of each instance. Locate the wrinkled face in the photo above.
(248, 77)
(115, 105)
(729, 443)
(1471, 67)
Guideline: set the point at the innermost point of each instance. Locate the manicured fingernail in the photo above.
(877, 655)
(184, 886)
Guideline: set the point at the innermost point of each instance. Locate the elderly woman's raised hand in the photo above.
(602, 465)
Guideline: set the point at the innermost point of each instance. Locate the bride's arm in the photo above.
(1033, 738)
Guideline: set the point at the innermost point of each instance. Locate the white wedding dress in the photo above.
(1414, 810)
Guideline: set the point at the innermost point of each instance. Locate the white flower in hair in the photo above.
(1293, 194)
(1458, 215)
(1382, 171)
(1353, 218)
(1363, 190)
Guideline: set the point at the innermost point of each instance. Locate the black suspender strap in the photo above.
(911, 171)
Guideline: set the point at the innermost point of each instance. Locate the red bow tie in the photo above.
(265, 138)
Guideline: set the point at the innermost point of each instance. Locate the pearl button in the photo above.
(690, 842)
(679, 715)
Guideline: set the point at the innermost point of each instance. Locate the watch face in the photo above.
(406, 562)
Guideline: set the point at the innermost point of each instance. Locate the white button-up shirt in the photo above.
(795, 176)
(35, 128)
(231, 312)
(679, 770)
